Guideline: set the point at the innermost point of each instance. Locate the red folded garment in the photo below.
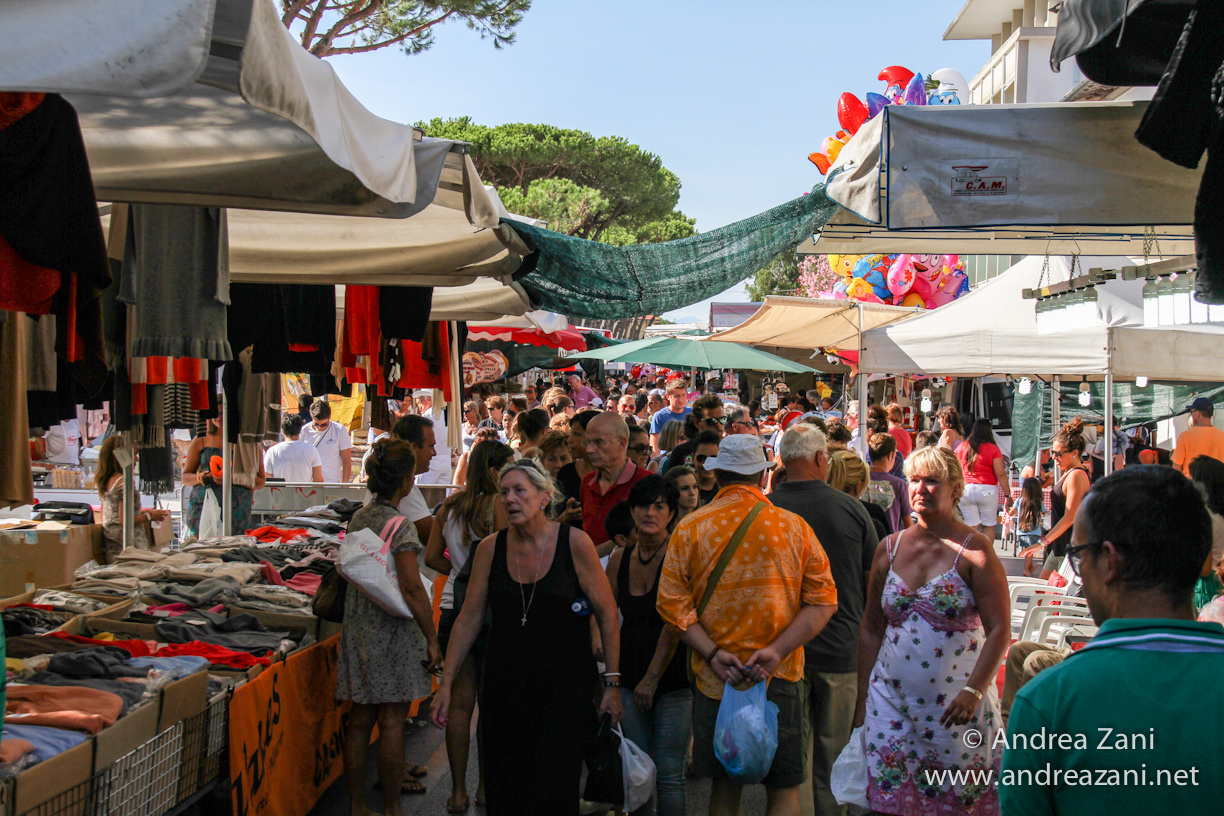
(217, 655)
(137, 648)
(275, 535)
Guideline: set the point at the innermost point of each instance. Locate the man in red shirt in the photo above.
(607, 443)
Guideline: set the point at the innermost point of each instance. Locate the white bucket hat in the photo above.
(739, 453)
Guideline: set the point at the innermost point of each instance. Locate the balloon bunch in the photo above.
(901, 87)
(918, 281)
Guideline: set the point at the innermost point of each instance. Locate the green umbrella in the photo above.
(676, 352)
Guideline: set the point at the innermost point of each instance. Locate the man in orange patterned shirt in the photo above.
(775, 594)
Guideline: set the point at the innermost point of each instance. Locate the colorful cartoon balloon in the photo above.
(952, 90)
(851, 113)
(915, 92)
(895, 78)
(901, 276)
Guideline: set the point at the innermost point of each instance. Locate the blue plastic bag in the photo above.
(746, 733)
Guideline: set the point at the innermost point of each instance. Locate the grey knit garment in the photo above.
(176, 273)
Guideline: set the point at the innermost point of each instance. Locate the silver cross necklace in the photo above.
(522, 595)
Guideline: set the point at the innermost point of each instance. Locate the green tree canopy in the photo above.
(327, 27)
(600, 188)
(780, 277)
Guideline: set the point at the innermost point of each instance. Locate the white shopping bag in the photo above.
(210, 516)
(848, 776)
(638, 772)
(366, 561)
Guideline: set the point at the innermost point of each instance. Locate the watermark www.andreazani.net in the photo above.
(1105, 739)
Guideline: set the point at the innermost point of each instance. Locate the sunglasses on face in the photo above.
(639, 448)
(700, 458)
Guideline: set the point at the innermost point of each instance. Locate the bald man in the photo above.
(607, 443)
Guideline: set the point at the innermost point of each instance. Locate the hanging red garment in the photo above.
(362, 338)
(16, 104)
(431, 372)
(25, 287)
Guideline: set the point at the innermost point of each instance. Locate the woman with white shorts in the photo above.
(985, 474)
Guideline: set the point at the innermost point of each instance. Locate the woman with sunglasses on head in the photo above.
(1067, 451)
(536, 703)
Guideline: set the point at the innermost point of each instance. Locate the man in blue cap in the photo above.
(1200, 439)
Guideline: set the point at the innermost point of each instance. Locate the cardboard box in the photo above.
(130, 732)
(64, 777)
(45, 557)
(182, 699)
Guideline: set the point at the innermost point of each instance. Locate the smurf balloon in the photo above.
(896, 79)
(915, 92)
(952, 89)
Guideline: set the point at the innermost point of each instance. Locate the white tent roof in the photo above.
(214, 102)
(1007, 179)
(810, 323)
(993, 330)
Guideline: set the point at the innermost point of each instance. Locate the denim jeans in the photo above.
(663, 732)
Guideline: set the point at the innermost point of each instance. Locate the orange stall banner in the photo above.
(286, 734)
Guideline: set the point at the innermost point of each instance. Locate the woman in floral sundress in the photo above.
(936, 627)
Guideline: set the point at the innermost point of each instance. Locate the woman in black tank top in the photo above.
(1067, 450)
(654, 681)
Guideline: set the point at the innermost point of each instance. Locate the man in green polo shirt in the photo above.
(1127, 724)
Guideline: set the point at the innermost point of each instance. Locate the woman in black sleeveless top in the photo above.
(1067, 450)
(655, 688)
(536, 706)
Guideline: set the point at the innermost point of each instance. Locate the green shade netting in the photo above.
(1132, 405)
(587, 279)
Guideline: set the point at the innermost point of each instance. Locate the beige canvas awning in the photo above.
(809, 323)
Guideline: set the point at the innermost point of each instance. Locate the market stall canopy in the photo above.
(568, 339)
(993, 330)
(811, 323)
(679, 352)
(1007, 179)
(213, 102)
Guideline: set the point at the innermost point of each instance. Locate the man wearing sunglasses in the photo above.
(1130, 707)
(705, 446)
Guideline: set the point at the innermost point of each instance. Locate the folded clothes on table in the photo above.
(135, 648)
(244, 633)
(276, 535)
(68, 601)
(77, 708)
(255, 555)
(304, 582)
(13, 750)
(130, 690)
(218, 657)
(119, 587)
(29, 620)
(33, 645)
(318, 524)
(96, 661)
(277, 596)
(186, 664)
(220, 589)
(47, 742)
(216, 546)
(242, 573)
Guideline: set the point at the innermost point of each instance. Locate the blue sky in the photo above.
(731, 96)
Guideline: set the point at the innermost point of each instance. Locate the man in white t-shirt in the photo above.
(333, 443)
(418, 432)
(293, 460)
(439, 471)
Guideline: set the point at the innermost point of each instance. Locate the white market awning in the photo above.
(1007, 179)
(213, 102)
(810, 323)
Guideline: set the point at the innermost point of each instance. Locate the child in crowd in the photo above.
(1027, 511)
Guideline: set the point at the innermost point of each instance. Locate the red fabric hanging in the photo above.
(25, 287)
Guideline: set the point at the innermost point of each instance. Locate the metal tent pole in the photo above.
(1055, 419)
(862, 384)
(227, 481)
(129, 491)
(1109, 437)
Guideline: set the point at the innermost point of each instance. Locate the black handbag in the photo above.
(605, 781)
(71, 512)
(328, 601)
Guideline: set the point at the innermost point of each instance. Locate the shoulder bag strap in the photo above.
(390, 529)
(725, 558)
